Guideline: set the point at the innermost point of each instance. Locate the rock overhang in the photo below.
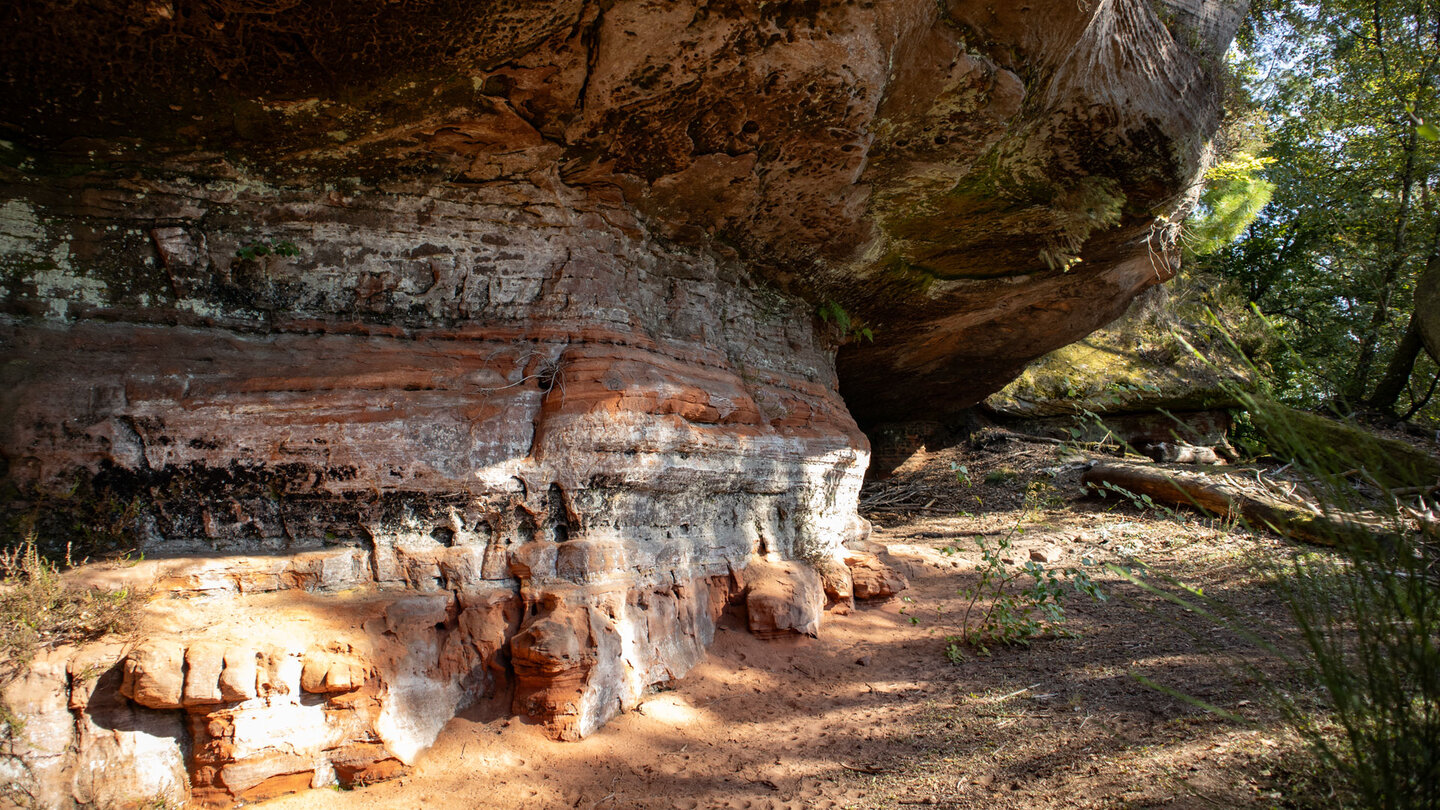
(874, 154)
(545, 303)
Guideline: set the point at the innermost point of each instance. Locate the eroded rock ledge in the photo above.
(501, 337)
(543, 444)
(343, 683)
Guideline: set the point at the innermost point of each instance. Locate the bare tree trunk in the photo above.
(1224, 495)
(1427, 309)
(1397, 372)
(1371, 337)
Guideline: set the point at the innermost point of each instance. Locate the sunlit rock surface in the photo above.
(503, 335)
(1171, 368)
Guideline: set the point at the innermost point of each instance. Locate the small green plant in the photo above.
(832, 313)
(1044, 495)
(962, 474)
(1001, 477)
(251, 251)
(37, 609)
(1140, 501)
(906, 608)
(1012, 604)
(1088, 423)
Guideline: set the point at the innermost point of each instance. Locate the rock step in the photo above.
(347, 689)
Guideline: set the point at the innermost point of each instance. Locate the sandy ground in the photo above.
(872, 714)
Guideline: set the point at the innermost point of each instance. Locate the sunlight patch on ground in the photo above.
(670, 709)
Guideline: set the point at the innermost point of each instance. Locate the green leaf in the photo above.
(1428, 131)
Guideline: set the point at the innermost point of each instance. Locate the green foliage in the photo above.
(832, 313)
(1335, 446)
(1369, 617)
(251, 251)
(37, 609)
(1426, 131)
(1235, 192)
(1338, 93)
(1014, 605)
(1140, 501)
(1001, 477)
(1367, 610)
(1371, 625)
(1010, 604)
(1139, 362)
(1369, 639)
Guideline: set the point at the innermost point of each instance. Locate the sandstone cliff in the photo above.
(503, 334)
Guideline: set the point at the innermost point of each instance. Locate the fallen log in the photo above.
(1225, 497)
(1000, 435)
(988, 436)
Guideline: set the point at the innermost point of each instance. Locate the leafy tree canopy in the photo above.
(1323, 208)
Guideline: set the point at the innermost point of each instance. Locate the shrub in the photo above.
(37, 609)
(1369, 617)
(1368, 610)
(1012, 604)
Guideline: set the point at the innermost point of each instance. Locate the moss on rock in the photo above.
(1171, 351)
(1336, 447)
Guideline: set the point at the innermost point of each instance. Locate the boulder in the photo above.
(155, 675)
(238, 677)
(783, 599)
(204, 665)
(873, 578)
(836, 579)
(363, 764)
(331, 670)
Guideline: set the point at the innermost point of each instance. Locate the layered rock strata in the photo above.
(526, 314)
(545, 447)
(973, 184)
(320, 680)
